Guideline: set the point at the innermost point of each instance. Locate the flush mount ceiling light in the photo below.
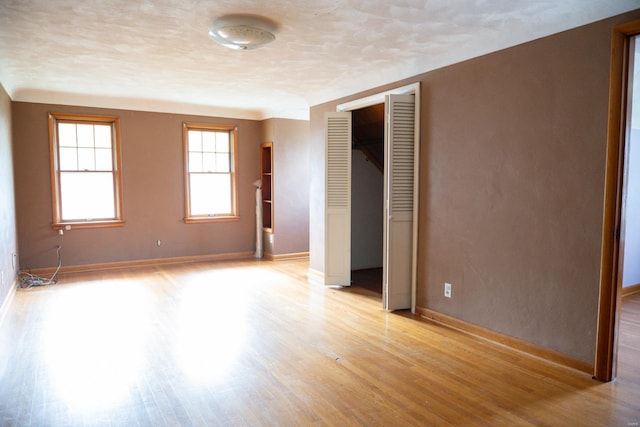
(242, 32)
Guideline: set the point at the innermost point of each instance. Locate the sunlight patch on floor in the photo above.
(211, 330)
(95, 343)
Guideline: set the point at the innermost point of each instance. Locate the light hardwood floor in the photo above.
(254, 343)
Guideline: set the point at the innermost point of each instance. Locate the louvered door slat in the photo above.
(399, 188)
(338, 200)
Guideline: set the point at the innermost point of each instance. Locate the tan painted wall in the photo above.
(153, 192)
(291, 185)
(511, 187)
(8, 238)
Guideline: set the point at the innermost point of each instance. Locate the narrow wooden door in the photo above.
(337, 243)
(399, 178)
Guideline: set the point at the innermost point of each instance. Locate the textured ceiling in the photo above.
(155, 55)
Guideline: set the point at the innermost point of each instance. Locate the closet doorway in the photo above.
(401, 148)
(367, 197)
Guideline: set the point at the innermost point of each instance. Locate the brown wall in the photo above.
(153, 192)
(291, 185)
(511, 187)
(8, 238)
(516, 146)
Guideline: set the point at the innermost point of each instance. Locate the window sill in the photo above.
(207, 219)
(72, 225)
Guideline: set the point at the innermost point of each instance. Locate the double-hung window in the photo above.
(86, 175)
(210, 165)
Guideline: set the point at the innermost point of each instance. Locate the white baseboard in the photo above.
(315, 276)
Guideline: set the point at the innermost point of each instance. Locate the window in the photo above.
(210, 172)
(85, 171)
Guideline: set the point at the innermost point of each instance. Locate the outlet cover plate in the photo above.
(447, 290)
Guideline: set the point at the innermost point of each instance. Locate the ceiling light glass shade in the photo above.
(239, 35)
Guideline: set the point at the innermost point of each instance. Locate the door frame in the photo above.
(611, 257)
(380, 98)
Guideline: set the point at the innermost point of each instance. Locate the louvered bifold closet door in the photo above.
(337, 242)
(400, 173)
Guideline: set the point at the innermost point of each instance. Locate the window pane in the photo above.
(195, 140)
(195, 162)
(68, 159)
(103, 136)
(222, 163)
(222, 142)
(209, 141)
(67, 134)
(222, 193)
(210, 194)
(209, 162)
(86, 159)
(87, 195)
(85, 135)
(103, 159)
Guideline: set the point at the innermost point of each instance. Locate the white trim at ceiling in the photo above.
(157, 106)
(378, 98)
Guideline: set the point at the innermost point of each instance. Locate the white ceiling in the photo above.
(155, 55)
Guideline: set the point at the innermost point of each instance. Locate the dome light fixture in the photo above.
(242, 32)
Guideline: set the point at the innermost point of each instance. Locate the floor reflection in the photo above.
(255, 343)
(211, 328)
(94, 344)
(101, 340)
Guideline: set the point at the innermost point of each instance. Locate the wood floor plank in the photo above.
(255, 343)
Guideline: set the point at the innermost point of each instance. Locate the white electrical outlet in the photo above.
(447, 290)
(158, 242)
